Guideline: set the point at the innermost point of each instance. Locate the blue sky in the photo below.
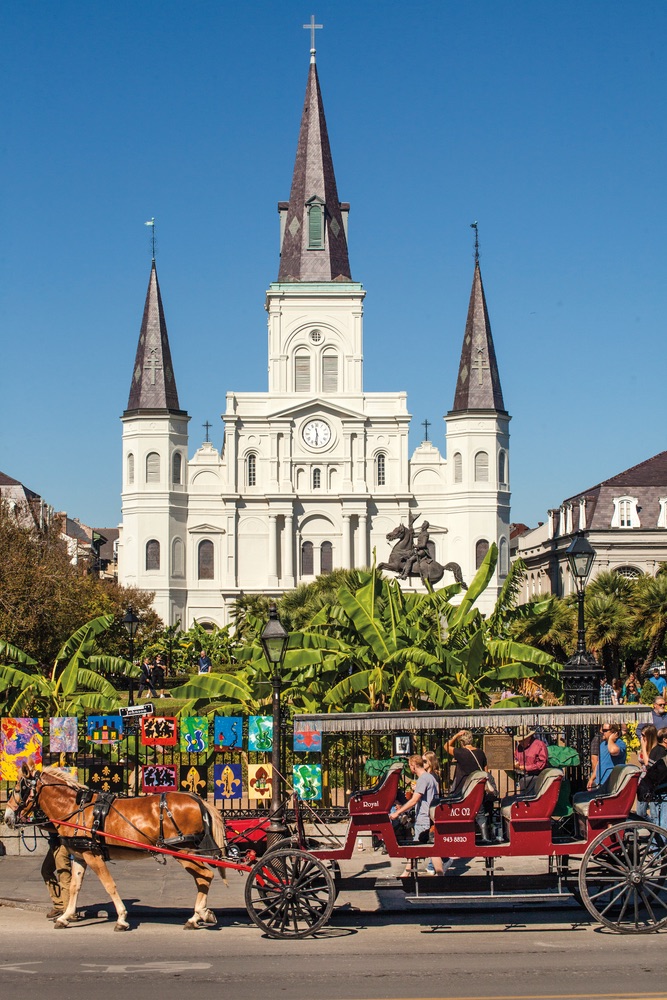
(543, 121)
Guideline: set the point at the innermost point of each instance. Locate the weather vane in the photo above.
(312, 27)
(473, 225)
(151, 223)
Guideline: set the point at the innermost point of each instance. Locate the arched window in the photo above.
(330, 372)
(481, 467)
(251, 470)
(502, 468)
(481, 548)
(130, 469)
(458, 468)
(153, 467)
(315, 226)
(178, 558)
(502, 558)
(302, 371)
(326, 557)
(307, 568)
(205, 560)
(176, 466)
(317, 479)
(381, 470)
(152, 554)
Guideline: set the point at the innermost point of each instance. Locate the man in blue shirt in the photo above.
(658, 682)
(612, 752)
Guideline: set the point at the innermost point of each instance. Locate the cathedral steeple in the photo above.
(313, 222)
(478, 383)
(153, 386)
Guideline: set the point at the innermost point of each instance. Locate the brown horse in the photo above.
(176, 820)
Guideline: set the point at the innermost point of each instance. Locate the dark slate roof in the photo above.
(6, 480)
(478, 383)
(647, 481)
(153, 384)
(313, 177)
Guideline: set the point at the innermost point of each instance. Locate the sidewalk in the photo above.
(370, 884)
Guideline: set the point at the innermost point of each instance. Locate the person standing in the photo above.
(203, 663)
(612, 752)
(146, 678)
(606, 693)
(157, 676)
(659, 715)
(658, 681)
(57, 874)
(421, 800)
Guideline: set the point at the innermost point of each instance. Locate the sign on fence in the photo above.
(132, 711)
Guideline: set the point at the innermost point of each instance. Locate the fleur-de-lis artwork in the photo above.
(260, 733)
(305, 742)
(193, 778)
(260, 781)
(105, 777)
(227, 781)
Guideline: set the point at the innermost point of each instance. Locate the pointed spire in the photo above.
(478, 384)
(153, 385)
(314, 246)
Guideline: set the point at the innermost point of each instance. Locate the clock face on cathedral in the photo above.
(317, 433)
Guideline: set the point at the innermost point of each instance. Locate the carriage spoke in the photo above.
(647, 904)
(613, 901)
(606, 890)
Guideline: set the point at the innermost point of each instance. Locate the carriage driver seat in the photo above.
(610, 802)
(379, 799)
(536, 805)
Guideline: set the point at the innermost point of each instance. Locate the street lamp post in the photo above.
(274, 640)
(131, 623)
(581, 673)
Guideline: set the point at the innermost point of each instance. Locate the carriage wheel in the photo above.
(290, 843)
(623, 878)
(289, 894)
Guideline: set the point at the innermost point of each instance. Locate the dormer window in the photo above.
(315, 223)
(625, 514)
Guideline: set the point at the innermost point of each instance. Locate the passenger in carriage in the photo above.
(612, 752)
(432, 765)
(531, 756)
(470, 758)
(421, 800)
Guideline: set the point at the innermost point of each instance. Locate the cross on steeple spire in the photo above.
(207, 428)
(312, 27)
(426, 424)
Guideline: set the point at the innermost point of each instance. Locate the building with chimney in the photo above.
(314, 471)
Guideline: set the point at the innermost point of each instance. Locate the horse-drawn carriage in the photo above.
(614, 862)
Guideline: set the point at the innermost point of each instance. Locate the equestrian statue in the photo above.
(413, 558)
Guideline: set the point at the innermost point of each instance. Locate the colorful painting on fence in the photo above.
(64, 734)
(105, 777)
(260, 781)
(260, 733)
(307, 781)
(194, 733)
(307, 741)
(20, 742)
(228, 732)
(193, 779)
(159, 731)
(159, 778)
(227, 781)
(104, 728)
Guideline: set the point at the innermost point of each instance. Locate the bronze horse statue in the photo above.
(406, 560)
(88, 823)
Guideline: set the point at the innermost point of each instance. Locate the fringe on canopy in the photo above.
(476, 718)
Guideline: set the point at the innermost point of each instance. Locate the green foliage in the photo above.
(648, 693)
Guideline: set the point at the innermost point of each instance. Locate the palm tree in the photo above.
(650, 612)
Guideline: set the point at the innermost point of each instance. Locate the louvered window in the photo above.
(381, 470)
(330, 372)
(205, 560)
(481, 467)
(302, 372)
(317, 479)
(458, 468)
(153, 468)
(481, 549)
(315, 227)
(307, 559)
(152, 554)
(326, 557)
(176, 463)
(130, 470)
(502, 468)
(251, 470)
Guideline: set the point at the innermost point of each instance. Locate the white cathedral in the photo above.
(315, 472)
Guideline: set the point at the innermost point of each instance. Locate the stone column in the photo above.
(288, 563)
(273, 551)
(347, 542)
(363, 540)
